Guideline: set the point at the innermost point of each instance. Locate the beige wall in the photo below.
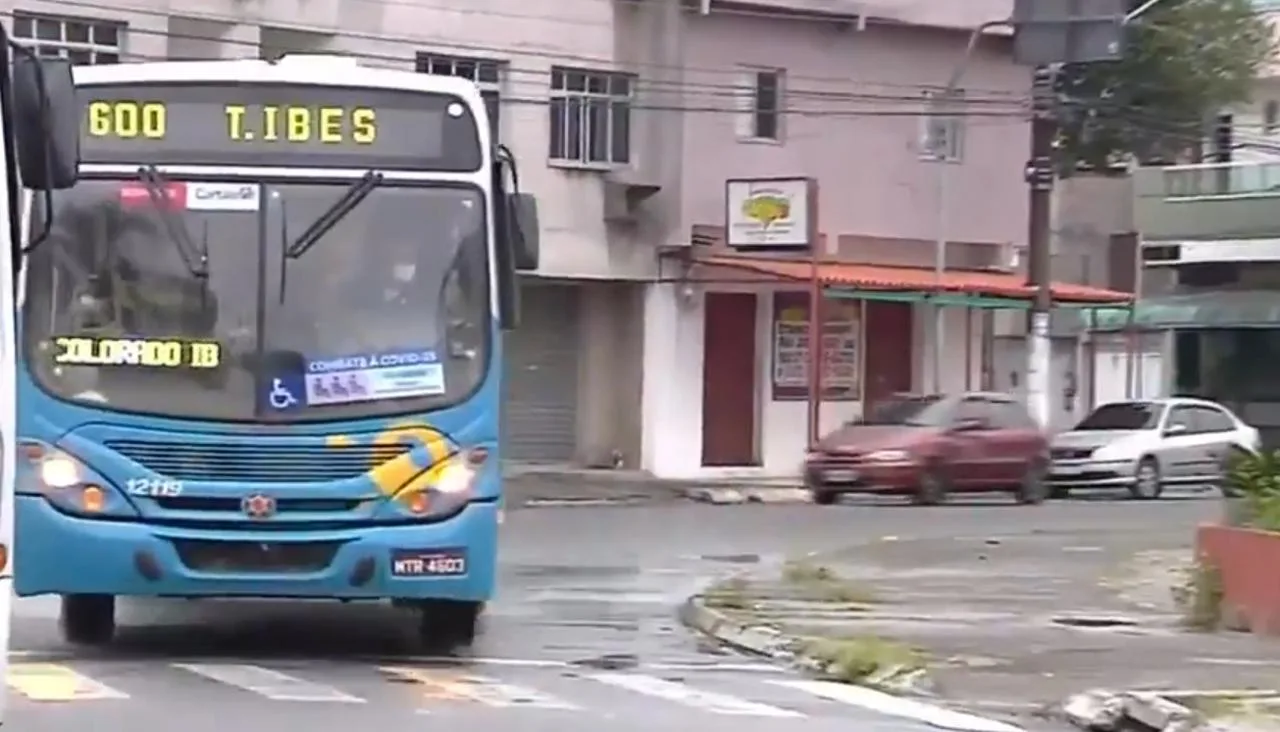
(609, 399)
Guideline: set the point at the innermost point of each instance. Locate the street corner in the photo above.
(1221, 710)
(808, 616)
(562, 488)
(733, 495)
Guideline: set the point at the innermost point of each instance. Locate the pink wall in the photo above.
(872, 180)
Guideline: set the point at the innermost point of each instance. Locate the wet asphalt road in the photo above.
(583, 632)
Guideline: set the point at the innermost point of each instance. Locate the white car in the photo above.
(1144, 446)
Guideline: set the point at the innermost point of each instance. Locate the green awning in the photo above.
(1220, 309)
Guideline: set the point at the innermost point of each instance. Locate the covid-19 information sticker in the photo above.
(361, 377)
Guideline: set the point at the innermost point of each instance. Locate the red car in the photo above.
(929, 446)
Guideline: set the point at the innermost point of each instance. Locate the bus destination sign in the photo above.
(277, 125)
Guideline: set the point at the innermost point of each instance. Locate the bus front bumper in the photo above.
(62, 554)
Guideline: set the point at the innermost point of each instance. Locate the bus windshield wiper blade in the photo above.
(335, 213)
(195, 260)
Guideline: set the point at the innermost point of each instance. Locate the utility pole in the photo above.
(1040, 178)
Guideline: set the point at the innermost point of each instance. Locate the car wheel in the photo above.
(1147, 484)
(1034, 486)
(823, 498)
(931, 489)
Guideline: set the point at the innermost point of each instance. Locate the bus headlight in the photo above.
(69, 485)
(445, 488)
(59, 470)
(455, 478)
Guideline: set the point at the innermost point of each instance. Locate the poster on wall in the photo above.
(841, 340)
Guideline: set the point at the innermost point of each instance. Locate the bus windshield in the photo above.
(388, 313)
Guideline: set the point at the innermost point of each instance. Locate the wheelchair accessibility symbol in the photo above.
(280, 396)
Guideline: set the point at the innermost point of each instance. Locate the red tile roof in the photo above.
(915, 279)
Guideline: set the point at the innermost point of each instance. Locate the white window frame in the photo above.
(942, 126)
(25, 26)
(490, 85)
(751, 106)
(614, 91)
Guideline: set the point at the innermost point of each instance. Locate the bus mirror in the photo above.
(46, 122)
(526, 234)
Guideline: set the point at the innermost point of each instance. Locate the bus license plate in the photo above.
(428, 562)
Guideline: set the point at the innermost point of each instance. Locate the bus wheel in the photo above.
(88, 620)
(453, 622)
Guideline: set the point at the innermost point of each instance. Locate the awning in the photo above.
(1220, 309)
(878, 282)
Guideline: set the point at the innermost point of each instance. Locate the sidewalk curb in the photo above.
(1101, 710)
(738, 495)
(765, 641)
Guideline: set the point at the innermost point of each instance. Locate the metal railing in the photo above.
(1217, 180)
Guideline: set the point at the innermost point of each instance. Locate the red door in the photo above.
(729, 379)
(887, 363)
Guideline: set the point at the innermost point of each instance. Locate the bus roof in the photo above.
(318, 69)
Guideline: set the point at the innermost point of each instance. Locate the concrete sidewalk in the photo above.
(1020, 621)
(530, 486)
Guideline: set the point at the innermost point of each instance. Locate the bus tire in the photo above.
(453, 622)
(88, 620)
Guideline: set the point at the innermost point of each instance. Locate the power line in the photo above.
(710, 97)
(498, 52)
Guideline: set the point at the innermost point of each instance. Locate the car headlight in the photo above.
(890, 456)
(1109, 454)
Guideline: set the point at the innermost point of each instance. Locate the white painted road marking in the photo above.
(879, 701)
(687, 695)
(265, 682)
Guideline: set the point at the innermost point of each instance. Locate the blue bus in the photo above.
(261, 343)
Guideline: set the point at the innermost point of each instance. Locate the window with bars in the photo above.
(761, 117)
(942, 126)
(83, 40)
(486, 73)
(590, 117)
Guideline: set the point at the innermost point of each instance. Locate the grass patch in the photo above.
(861, 658)
(818, 582)
(730, 594)
(1199, 597)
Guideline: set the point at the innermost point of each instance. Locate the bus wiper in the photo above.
(195, 260)
(204, 264)
(335, 213)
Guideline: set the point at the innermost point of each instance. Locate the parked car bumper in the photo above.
(861, 478)
(1091, 473)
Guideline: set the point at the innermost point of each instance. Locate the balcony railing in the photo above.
(1217, 180)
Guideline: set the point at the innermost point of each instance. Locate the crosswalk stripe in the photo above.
(689, 696)
(51, 682)
(897, 706)
(273, 685)
(440, 686)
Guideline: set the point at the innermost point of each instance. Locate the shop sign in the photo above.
(765, 213)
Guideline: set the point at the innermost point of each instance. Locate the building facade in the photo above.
(627, 119)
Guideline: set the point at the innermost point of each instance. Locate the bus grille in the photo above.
(255, 462)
